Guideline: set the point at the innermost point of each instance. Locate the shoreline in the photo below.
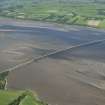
(42, 24)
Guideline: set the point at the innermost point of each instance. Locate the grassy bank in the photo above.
(8, 96)
(19, 98)
(16, 97)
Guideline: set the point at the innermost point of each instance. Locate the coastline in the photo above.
(44, 24)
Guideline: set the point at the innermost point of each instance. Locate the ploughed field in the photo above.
(68, 63)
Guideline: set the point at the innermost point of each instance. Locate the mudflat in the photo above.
(75, 76)
(62, 82)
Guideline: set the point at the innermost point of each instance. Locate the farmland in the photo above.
(63, 12)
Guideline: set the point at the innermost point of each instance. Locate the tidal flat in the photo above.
(75, 76)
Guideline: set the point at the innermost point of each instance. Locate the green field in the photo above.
(76, 13)
(8, 96)
(15, 98)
